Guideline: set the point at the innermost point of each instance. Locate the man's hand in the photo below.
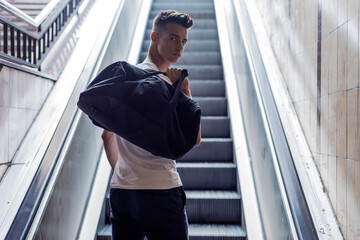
(174, 75)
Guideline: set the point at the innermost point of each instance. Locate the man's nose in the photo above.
(180, 46)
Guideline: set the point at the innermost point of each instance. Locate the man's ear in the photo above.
(154, 37)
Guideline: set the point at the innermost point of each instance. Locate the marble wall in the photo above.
(21, 97)
(317, 47)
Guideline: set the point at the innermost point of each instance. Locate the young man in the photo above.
(147, 197)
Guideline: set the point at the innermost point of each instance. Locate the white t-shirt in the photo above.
(137, 168)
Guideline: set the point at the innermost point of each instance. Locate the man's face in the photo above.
(171, 41)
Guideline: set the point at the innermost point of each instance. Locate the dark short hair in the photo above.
(172, 16)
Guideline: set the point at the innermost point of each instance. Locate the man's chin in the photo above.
(175, 60)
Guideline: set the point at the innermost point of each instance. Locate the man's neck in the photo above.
(155, 58)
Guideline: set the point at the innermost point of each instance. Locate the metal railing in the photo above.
(25, 47)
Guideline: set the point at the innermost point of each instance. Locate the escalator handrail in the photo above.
(251, 213)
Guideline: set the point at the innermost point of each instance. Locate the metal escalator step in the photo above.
(215, 127)
(200, 58)
(174, 1)
(213, 206)
(191, 45)
(199, 24)
(211, 150)
(105, 233)
(193, 14)
(196, 232)
(206, 176)
(216, 232)
(183, 6)
(212, 106)
(207, 88)
(202, 71)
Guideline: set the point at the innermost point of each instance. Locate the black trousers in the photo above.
(156, 214)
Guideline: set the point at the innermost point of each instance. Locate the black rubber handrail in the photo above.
(298, 206)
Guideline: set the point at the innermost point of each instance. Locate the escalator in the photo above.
(208, 172)
(241, 182)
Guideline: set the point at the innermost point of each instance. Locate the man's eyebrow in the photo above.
(175, 35)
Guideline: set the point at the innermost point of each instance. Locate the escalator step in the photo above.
(215, 127)
(212, 106)
(207, 88)
(203, 71)
(216, 232)
(183, 6)
(197, 232)
(174, 1)
(213, 206)
(206, 176)
(105, 233)
(211, 150)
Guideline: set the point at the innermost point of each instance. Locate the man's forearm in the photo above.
(111, 148)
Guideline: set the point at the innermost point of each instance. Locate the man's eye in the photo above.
(172, 38)
(184, 42)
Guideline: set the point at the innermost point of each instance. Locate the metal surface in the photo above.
(271, 206)
(93, 211)
(274, 172)
(251, 211)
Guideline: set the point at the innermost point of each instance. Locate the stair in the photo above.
(55, 60)
(30, 7)
(208, 172)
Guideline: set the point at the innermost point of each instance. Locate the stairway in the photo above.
(208, 172)
(56, 60)
(30, 7)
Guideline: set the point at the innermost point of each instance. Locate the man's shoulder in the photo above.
(152, 66)
(147, 66)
